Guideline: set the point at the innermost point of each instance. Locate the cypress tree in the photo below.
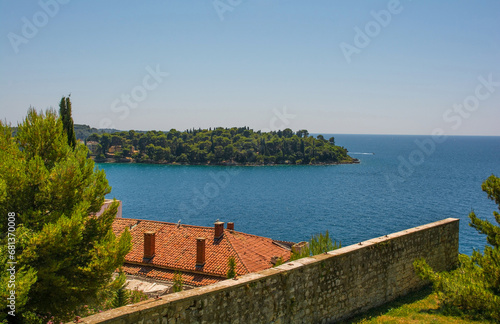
(67, 120)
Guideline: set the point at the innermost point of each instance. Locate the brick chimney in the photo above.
(230, 226)
(200, 251)
(219, 229)
(149, 245)
(299, 247)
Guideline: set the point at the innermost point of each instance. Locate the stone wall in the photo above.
(320, 289)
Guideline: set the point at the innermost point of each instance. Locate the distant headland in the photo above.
(217, 146)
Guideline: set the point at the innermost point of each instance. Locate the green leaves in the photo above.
(178, 285)
(223, 145)
(41, 135)
(322, 243)
(474, 287)
(462, 291)
(319, 243)
(65, 255)
(122, 297)
(67, 120)
(231, 264)
(492, 187)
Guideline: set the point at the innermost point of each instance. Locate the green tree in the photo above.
(122, 297)
(319, 243)
(287, 132)
(302, 133)
(182, 158)
(94, 137)
(150, 151)
(126, 151)
(231, 271)
(178, 282)
(474, 287)
(220, 145)
(65, 256)
(67, 120)
(114, 294)
(105, 142)
(116, 140)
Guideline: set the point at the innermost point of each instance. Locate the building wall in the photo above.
(320, 289)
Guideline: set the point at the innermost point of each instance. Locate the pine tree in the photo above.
(67, 120)
(474, 287)
(122, 297)
(65, 256)
(489, 260)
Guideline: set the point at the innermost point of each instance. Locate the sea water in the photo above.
(401, 182)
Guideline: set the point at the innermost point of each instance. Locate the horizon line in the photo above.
(310, 132)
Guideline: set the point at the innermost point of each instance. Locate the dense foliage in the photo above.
(82, 132)
(64, 256)
(319, 243)
(474, 287)
(220, 146)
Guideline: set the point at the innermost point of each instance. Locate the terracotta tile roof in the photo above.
(119, 224)
(175, 249)
(255, 251)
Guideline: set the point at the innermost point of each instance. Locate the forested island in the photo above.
(218, 146)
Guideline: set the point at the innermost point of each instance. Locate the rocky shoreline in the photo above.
(231, 163)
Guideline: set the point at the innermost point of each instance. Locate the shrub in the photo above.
(474, 287)
(231, 272)
(318, 244)
(177, 282)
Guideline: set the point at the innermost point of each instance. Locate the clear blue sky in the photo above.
(263, 57)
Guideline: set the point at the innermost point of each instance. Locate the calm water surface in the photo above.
(401, 185)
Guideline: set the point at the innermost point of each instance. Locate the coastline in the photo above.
(232, 163)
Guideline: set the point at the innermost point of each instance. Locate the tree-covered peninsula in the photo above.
(219, 146)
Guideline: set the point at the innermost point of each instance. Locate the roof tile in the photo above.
(175, 249)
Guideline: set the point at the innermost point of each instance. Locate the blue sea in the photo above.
(401, 182)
